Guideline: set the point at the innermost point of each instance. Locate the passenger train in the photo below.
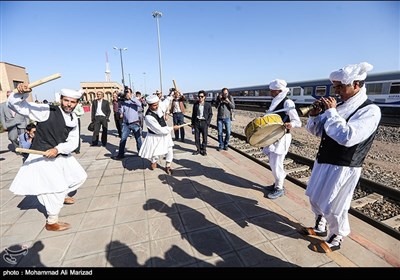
(382, 88)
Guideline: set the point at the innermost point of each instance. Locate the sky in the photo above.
(204, 45)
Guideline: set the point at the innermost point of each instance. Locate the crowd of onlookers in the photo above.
(128, 111)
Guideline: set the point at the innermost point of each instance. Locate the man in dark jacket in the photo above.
(201, 119)
(100, 117)
(224, 104)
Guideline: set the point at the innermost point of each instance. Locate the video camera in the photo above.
(122, 94)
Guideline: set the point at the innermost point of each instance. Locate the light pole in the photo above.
(122, 64)
(157, 15)
(144, 77)
(130, 83)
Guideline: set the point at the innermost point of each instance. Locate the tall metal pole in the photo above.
(122, 64)
(130, 83)
(144, 75)
(157, 15)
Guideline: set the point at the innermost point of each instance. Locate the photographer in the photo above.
(224, 105)
(130, 114)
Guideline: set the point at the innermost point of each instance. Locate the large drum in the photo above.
(264, 131)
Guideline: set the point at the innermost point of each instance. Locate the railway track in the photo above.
(386, 120)
(374, 203)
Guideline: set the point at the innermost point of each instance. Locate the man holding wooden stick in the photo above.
(158, 140)
(50, 172)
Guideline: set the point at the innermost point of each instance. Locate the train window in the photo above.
(320, 91)
(332, 91)
(375, 88)
(395, 88)
(263, 92)
(256, 93)
(308, 91)
(296, 91)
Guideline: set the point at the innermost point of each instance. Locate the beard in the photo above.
(67, 109)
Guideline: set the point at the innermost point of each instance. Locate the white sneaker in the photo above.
(320, 226)
(334, 242)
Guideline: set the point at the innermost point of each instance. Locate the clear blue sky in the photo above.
(204, 45)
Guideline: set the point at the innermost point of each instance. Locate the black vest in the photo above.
(283, 115)
(161, 120)
(332, 153)
(280, 107)
(51, 132)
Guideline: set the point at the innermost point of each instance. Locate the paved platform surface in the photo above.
(211, 212)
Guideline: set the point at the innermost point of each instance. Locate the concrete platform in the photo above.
(211, 212)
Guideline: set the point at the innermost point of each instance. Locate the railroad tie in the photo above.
(371, 198)
(297, 169)
(393, 222)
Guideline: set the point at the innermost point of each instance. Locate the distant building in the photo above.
(91, 88)
(10, 76)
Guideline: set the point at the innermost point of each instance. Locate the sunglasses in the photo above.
(201, 96)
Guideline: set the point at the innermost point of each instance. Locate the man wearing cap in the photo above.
(56, 173)
(277, 151)
(158, 140)
(347, 130)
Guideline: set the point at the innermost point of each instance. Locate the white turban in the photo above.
(151, 99)
(277, 85)
(77, 94)
(350, 73)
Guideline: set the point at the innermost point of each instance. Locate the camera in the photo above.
(121, 96)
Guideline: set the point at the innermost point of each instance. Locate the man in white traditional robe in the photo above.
(158, 139)
(277, 151)
(56, 173)
(347, 130)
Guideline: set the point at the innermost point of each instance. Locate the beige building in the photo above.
(10, 76)
(91, 88)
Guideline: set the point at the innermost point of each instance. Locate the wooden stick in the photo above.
(29, 151)
(185, 124)
(175, 86)
(42, 81)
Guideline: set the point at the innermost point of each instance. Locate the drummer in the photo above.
(277, 151)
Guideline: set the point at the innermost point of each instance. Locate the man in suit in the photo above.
(201, 119)
(14, 123)
(100, 117)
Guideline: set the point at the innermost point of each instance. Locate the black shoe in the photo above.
(219, 149)
(93, 145)
(270, 188)
(117, 157)
(195, 153)
(203, 153)
(77, 152)
(226, 148)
